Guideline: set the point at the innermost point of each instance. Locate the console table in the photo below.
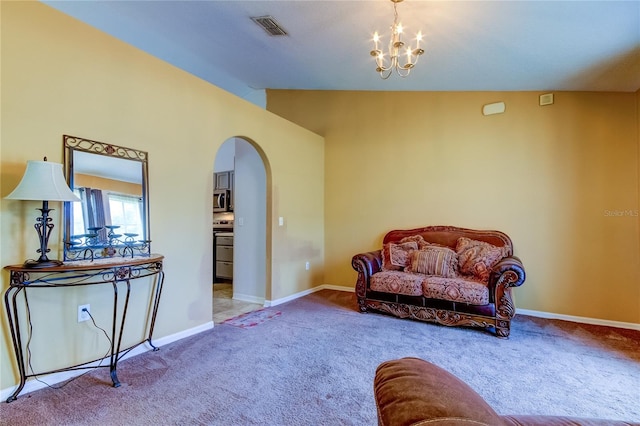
(82, 273)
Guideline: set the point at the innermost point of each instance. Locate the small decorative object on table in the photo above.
(89, 246)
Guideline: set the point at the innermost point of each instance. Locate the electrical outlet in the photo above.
(82, 315)
(307, 266)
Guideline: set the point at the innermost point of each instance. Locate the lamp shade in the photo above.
(43, 181)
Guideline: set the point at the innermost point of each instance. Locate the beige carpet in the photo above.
(314, 365)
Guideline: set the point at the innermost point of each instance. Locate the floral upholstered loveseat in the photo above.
(443, 274)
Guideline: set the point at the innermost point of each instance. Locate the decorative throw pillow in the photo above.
(476, 258)
(434, 260)
(418, 239)
(395, 257)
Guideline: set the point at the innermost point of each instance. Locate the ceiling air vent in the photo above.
(270, 25)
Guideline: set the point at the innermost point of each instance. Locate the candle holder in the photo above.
(89, 246)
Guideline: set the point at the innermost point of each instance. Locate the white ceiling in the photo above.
(470, 45)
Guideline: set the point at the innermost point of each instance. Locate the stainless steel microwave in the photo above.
(221, 200)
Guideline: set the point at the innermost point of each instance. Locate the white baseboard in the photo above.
(55, 378)
(584, 320)
(248, 298)
(351, 289)
(280, 301)
(268, 303)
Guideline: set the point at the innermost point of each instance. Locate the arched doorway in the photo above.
(240, 279)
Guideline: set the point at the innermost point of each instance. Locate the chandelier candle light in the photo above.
(386, 66)
(43, 181)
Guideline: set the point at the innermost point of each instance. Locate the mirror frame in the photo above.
(71, 145)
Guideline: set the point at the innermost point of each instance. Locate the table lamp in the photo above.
(43, 181)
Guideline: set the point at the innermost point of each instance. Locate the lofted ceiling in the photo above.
(470, 45)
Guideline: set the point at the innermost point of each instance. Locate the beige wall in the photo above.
(554, 178)
(59, 77)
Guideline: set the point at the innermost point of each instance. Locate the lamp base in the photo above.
(35, 264)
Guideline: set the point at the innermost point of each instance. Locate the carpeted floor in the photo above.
(314, 365)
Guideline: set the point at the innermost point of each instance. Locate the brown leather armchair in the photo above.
(411, 391)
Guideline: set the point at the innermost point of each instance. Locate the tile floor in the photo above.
(224, 307)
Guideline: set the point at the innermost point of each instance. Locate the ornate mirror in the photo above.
(112, 218)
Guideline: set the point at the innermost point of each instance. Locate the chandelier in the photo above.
(386, 63)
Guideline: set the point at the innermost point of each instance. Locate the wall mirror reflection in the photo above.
(112, 218)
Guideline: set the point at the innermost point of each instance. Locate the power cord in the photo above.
(28, 347)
